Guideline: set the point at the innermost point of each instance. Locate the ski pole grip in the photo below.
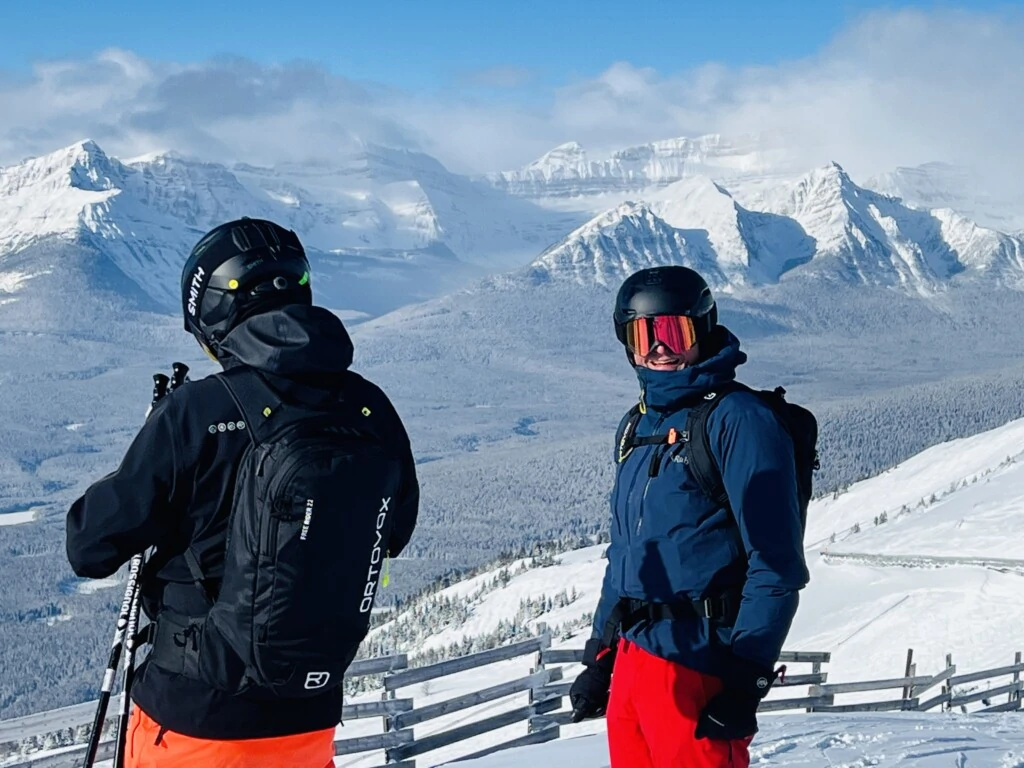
(160, 382)
(178, 371)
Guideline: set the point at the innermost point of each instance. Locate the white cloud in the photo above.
(894, 88)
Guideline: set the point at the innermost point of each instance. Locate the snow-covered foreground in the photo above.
(830, 741)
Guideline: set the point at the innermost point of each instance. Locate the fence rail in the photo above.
(926, 561)
(56, 739)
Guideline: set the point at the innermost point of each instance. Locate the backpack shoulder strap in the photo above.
(626, 435)
(255, 399)
(702, 459)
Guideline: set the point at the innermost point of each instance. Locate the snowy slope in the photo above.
(896, 740)
(567, 171)
(866, 614)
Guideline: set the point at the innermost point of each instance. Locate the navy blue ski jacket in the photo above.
(670, 542)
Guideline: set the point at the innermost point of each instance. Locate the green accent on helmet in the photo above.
(305, 278)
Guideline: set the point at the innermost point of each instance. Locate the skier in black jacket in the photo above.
(247, 299)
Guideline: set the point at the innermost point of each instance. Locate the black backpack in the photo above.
(799, 422)
(306, 542)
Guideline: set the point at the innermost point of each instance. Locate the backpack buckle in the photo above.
(708, 604)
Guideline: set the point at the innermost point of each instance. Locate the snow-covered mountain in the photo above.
(400, 199)
(621, 241)
(873, 238)
(941, 185)
(569, 178)
(384, 229)
(568, 172)
(822, 225)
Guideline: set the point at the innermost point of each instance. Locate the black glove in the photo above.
(732, 714)
(589, 692)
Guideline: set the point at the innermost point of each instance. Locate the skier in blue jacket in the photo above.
(698, 595)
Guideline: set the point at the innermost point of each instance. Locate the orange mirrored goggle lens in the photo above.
(676, 332)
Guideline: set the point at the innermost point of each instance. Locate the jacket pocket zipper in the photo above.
(653, 470)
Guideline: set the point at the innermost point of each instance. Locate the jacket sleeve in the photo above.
(125, 512)
(408, 502)
(759, 474)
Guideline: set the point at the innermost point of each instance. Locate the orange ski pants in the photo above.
(652, 715)
(174, 750)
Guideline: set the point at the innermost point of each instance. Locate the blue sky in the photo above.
(422, 45)
(491, 85)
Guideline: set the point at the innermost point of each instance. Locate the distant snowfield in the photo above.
(12, 281)
(351, 315)
(91, 586)
(836, 741)
(17, 518)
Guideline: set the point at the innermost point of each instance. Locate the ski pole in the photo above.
(179, 371)
(160, 383)
(115, 654)
(128, 675)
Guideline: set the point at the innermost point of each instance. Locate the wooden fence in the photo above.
(58, 737)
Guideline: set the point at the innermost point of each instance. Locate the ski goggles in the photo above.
(676, 332)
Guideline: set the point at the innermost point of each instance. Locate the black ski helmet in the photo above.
(665, 291)
(237, 269)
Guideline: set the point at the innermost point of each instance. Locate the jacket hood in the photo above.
(668, 390)
(297, 341)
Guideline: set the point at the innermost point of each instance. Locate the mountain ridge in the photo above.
(567, 171)
(822, 226)
(395, 216)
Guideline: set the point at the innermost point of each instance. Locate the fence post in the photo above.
(947, 687)
(538, 665)
(913, 692)
(908, 690)
(1016, 678)
(815, 670)
(389, 721)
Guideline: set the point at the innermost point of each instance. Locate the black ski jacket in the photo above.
(174, 488)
